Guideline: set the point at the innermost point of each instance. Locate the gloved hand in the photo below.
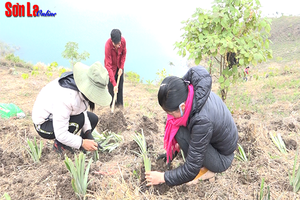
(164, 156)
(87, 135)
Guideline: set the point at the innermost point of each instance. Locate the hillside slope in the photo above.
(285, 37)
(260, 108)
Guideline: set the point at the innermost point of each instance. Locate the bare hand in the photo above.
(115, 89)
(155, 178)
(89, 145)
(120, 72)
(177, 147)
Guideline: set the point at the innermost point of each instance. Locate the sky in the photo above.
(151, 27)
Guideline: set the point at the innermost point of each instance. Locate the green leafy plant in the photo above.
(54, 64)
(136, 174)
(79, 174)
(263, 196)
(6, 196)
(149, 82)
(108, 140)
(61, 71)
(242, 155)
(233, 34)
(49, 69)
(49, 74)
(161, 75)
(71, 53)
(278, 142)
(35, 150)
(35, 71)
(15, 59)
(25, 76)
(133, 77)
(126, 104)
(141, 141)
(295, 176)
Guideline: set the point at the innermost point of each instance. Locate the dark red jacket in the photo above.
(114, 59)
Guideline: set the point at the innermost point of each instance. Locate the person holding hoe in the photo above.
(115, 56)
(199, 123)
(60, 109)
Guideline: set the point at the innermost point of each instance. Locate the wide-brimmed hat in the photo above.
(92, 82)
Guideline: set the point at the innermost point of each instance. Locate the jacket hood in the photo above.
(202, 82)
(66, 80)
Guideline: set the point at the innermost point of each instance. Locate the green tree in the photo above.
(6, 49)
(71, 53)
(232, 27)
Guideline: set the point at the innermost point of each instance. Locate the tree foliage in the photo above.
(6, 49)
(15, 59)
(232, 27)
(71, 53)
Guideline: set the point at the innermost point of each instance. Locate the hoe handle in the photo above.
(115, 96)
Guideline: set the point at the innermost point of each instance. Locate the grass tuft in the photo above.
(79, 174)
(35, 150)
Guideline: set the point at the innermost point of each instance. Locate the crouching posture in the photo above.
(60, 110)
(200, 124)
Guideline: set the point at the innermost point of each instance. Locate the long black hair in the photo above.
(172, 92)
(91, 104)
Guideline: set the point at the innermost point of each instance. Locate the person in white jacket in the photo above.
(60, 110)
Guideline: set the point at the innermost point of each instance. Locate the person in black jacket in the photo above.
(200, 124)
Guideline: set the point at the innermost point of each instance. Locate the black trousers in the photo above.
(213, 160)
(76, 122)
(119, 100)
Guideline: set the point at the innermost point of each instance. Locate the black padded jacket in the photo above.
(210, 122)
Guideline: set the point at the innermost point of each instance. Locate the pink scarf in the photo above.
(173, 125)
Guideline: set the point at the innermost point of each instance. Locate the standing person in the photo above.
(200, 124)
(60, 110)
(246, 72)
(115, 56)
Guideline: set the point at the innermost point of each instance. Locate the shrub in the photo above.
(15, 59)
(133, 77)
(161, 75)
(54, 64)
(61, 71)
(25, 76)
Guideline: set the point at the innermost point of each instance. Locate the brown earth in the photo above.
(120, 174)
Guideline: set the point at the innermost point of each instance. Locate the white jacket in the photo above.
(61, 103)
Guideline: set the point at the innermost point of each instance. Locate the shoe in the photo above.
(59, 147)
(204, 174)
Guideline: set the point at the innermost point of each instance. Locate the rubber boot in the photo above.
(204, 174)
